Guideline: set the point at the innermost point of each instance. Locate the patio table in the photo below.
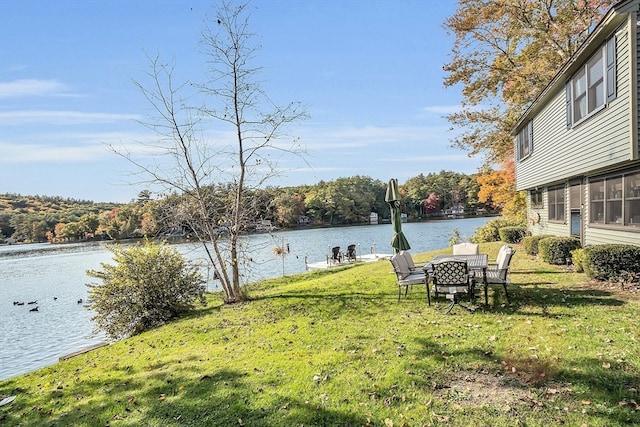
(476, 263)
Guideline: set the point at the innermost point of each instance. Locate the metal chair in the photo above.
(452, 278)
(336, 255)
(466, 249)
(413, 267)
(351, 253)
(498, 275)
(407, 278)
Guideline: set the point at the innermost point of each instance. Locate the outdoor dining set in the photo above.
(454, 275)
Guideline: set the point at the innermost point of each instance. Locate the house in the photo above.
(455, 211)
(373, 218)
(577, 150)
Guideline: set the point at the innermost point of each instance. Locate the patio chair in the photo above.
(452, 278)
(336, 255)
(407, 278)
(351, 253)
(497, 275)
(466, 249)
(412, 265)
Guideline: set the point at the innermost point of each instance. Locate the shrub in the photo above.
(149, 285)
(512, 234)
(490, 232)
(530, 243)
(557, 250)
(578, 258)
(613, 262)
(455, 237)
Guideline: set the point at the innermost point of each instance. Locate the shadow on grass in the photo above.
(219, 398)
(544, 297)
(547, 290)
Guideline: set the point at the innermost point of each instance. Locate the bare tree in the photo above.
(210, 180)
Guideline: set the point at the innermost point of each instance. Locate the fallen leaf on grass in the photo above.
(631, 403)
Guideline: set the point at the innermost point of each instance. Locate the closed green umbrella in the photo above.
(399, 241)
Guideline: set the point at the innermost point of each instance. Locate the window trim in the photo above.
(624, 197)
(553, 204)
(524, 139)
(537, 200)
(608, 62)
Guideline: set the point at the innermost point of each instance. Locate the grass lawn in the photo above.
(336, 348)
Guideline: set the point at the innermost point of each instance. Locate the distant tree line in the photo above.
(342, 201)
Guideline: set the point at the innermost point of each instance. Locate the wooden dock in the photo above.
(323, 265)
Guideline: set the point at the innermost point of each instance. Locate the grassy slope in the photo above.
(336, 348)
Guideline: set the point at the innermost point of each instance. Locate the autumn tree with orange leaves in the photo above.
(505, 52)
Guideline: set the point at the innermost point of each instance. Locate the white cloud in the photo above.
(32, 87)
(36, 153)
(73, 146)
(368, 136)
(18, 118)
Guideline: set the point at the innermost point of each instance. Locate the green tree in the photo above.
(89, 222)
(72, 231)
(289, 206)
(447, 188)
(148, 285)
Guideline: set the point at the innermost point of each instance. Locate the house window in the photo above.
(536, 199)
(596, 197)
(556, 204)
(525, 141)
(615, 200)
(593, 84)
(631, 199)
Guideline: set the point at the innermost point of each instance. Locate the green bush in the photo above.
(490, 232)
(149, 285)
(557, 250)
(578, 258)
(530, 243)
(512, 234)
(613, 262)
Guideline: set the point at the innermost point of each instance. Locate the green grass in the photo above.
(336, 348)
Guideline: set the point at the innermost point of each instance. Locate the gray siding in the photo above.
(600, 141)
(545, 226)
(599, 236)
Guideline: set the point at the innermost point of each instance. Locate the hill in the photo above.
(17, 210)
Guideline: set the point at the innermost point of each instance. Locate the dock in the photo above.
(327, 264)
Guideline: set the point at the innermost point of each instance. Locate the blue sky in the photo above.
(369, 72)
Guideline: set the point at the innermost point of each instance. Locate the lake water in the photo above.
(54, 276)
